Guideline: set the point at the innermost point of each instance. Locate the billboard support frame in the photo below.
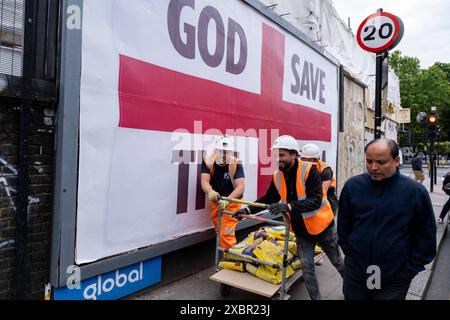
(67, 132)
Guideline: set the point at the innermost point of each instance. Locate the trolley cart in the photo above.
(246, 281)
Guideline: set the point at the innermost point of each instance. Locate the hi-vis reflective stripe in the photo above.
(230, 231)
(303, 177)
(310, 214)
(280, 186)
(313, 213)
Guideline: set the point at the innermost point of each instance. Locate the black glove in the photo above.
(278, 208)
(239, 212)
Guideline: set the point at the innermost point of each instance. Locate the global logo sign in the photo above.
(115, 284)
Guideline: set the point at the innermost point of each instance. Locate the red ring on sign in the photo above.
(390, 42)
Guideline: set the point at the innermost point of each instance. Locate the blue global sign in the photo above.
(115, 284)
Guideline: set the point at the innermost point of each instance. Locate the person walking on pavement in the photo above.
(296, 190)
(386, 227)
(446, 188)
(417, 168)
(311, 153)
(223, 175)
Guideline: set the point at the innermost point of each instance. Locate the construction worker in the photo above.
(223, 175)
(311, 153)
(296, 190)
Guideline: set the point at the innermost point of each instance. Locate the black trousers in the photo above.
(445, 209)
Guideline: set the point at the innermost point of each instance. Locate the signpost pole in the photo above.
(378, 80)
(432, 165)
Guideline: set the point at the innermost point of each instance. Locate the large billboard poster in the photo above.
(160, 81)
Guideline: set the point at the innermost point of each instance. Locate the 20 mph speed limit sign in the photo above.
(380, 32)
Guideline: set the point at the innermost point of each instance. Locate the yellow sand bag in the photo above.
(296, 264)
(279, 233)
(292, 246)
(264, 273)
(318, 249)
(256, 235)
(249, 240)
(236, 265)
(270, 252)
(242, 248)
(262, 234)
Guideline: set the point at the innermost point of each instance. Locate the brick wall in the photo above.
(40, 199)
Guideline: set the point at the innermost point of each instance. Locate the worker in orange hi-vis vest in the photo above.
(311, 153)
(296, 190)
(223, 175)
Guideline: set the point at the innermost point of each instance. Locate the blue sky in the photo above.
(427, 24)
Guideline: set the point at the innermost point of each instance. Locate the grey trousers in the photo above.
(327, 240)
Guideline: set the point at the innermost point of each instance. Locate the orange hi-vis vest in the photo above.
(232, 167)
(315, 221)
(322, 166)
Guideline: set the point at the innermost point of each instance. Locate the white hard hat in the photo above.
(286, 142)
(310, 150)
(225, 143)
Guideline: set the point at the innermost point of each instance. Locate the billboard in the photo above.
(160, 81)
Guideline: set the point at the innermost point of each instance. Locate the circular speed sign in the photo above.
(379, 32)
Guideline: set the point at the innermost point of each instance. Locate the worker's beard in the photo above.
(285, 166)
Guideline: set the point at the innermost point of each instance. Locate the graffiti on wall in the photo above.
(10, 191)
(351, 148)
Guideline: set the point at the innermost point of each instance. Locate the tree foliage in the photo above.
(421, 89)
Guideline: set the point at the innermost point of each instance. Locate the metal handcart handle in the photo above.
(257, 217)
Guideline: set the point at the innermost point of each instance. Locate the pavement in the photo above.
(439, 287)
(420, 283)
(198, 286)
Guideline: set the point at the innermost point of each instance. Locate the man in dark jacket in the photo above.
(311, 214)
(416, 164)
(386, 228)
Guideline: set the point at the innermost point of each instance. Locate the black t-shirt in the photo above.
(220, 181)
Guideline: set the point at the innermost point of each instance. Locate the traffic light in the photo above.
(433, 127)
(432, 119)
